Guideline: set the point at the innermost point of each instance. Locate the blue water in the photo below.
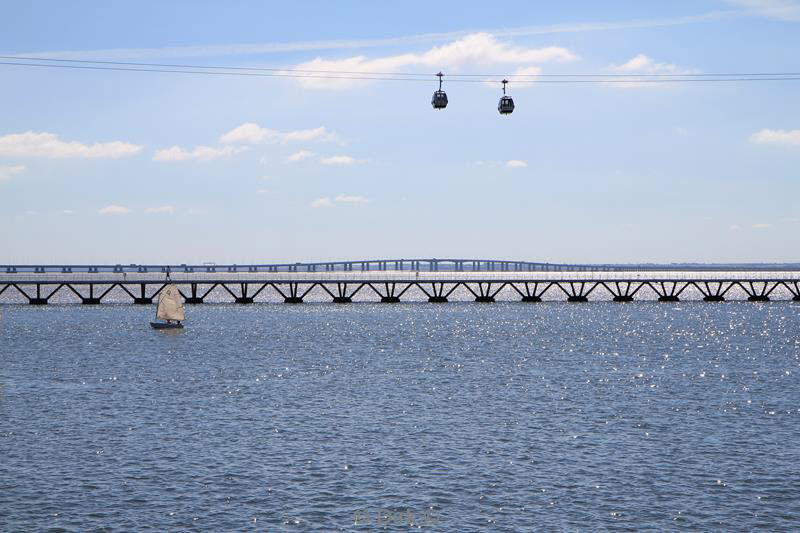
(456, 417)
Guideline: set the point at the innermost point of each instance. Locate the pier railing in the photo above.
(386, 265)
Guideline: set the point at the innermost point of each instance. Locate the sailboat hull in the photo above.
(164, 325)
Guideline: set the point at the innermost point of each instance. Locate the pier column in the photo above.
(194, 299)
(91, 300)
(143, 299)
(244, 298)
(38, 300)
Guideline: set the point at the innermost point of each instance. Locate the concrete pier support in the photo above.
(623, 298)
(437, 299)
(244, 300)
(194, 300)
(143, 301)
(714, 298)
(758, 298)
(577, 298)
(292, 300)
(669, 298)
(484, 299)
(90, 301)
(390, 299)
(796, 298)
(531, 298)
(342, 300)
(38, 301)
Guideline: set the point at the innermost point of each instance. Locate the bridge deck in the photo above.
(391, 285)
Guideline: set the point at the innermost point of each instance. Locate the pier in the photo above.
(394, 281)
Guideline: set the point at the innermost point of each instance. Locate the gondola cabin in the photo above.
(439, 98)
(506, 105)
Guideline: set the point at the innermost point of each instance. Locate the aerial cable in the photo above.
(395, 76)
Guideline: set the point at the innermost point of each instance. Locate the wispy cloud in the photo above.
(516, 163)
(351, 199)
(252, 133)
(338, 160)
(299, 156)
(646, 65)
(202, 153)
(48, 145)
(6, 173)
(321, 202)
(239, 49)
(761, 226)
(114, 210)
(783, 137)
(788, 10)
(348, 199)
(65, 212)
(163, 209)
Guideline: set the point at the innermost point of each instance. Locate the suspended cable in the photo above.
(404, 74)
(376, 76)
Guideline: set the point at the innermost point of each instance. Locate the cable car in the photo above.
(439, 98)
(506, 104)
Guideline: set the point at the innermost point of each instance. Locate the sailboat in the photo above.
(170, 309)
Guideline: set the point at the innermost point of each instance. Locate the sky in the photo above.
(103, 166)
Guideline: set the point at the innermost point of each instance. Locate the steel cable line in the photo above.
(374, 76)
(428, 75)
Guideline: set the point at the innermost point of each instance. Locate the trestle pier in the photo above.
(394, 286)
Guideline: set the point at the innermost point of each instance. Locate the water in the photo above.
(500, 417)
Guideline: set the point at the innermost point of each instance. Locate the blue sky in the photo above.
(107, 166)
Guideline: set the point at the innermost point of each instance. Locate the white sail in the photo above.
(170, 305)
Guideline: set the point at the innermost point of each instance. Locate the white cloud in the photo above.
(167, 209)
(202, 153)
(349, 199)
(761, 226)
(338, 160)
(114, 210)
(6, 173)
(299, 156)
(479, 49)
(516, 163)
(252, 133)
(785, 137)
(777, 9)
(644, 65)
(43, 144)
(65, 212)
(322, 202)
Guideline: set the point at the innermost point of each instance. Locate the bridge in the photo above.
(418, 265)
(392, 281)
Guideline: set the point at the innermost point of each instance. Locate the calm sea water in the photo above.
(457, 417)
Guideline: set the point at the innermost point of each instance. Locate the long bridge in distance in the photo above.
(396, 280)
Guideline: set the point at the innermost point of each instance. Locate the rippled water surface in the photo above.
(458, 417)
